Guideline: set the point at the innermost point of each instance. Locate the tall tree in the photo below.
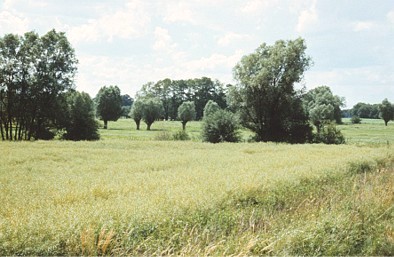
(82, 123)
(186, 113)
(265, 91)
(386, 111)
(35, 74)
(109, 104)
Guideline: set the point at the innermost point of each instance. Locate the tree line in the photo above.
(38, 99)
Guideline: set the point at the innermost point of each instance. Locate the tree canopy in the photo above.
(173, 93)
(265, 96)
(322, 106)
(109, 104)
(35, 75)
(82, 124)
(386, 111)
(186, 113)
(152, 109)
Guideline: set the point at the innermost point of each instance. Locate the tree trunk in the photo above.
(385, 122)
(105, 124)
(138, 124)
(184, 125)
(148, 126)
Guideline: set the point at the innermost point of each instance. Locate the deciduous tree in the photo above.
(109, 104)
(186, 113)
(265, 96)
(82, 122)
(386, 111)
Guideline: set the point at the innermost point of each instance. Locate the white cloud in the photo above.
(230, 37)
(215, 61)
(363, 25)
(163, 41)
(178, 12)
(256, 6)
(12, 22)
(128, 22)
(307, 18)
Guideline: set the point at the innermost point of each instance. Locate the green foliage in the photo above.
(35, 74)
(386, 111)
(221, 126)
(136, 113)
(181, 136)
(355, 119)
(329, 135)
(265, 90)
(322, 106)
(109, 104)
(367, 111)
(173, 93)
(152, 109)
(82, 123)
(186, 113)
(210, 108)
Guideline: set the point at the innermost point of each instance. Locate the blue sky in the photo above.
(129, 43)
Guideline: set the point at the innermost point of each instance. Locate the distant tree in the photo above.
(210, 108)
(322, 106)
(265, 90)
(220, 126)
(127, 102)
(109, 104)
(136, 112)
(173, 93)
(186, 113)
(367, 111)
(386, 111)
(152, 109)
(82, 123)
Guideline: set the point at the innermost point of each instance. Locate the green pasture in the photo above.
(369, 132)
(130, 194)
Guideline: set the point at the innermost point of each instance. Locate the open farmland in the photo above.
(118, 196)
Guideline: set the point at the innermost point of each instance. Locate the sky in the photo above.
(129, 43)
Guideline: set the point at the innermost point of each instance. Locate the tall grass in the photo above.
(135, 197)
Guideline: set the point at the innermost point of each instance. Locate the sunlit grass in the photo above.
(57, 196)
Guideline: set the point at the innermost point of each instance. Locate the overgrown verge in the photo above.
(341, 213)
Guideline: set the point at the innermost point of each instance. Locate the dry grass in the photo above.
(126, 197)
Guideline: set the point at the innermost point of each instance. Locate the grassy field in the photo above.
(131, 194)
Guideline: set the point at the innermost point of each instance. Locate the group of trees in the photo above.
(384, 110)
(36, 83)
(172, 93)
(37, 97)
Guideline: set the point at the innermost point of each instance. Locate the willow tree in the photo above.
(265, 96)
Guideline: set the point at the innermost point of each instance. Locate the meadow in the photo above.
(133, 193)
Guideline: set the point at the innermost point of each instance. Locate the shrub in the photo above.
(181, 136)
(220, 126)
(355, 119)
(329, 135)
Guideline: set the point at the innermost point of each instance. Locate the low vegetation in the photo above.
(138, 197)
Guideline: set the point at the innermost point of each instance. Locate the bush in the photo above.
(355, 119)
(220, 126)
(181, 136)
(329, 135)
